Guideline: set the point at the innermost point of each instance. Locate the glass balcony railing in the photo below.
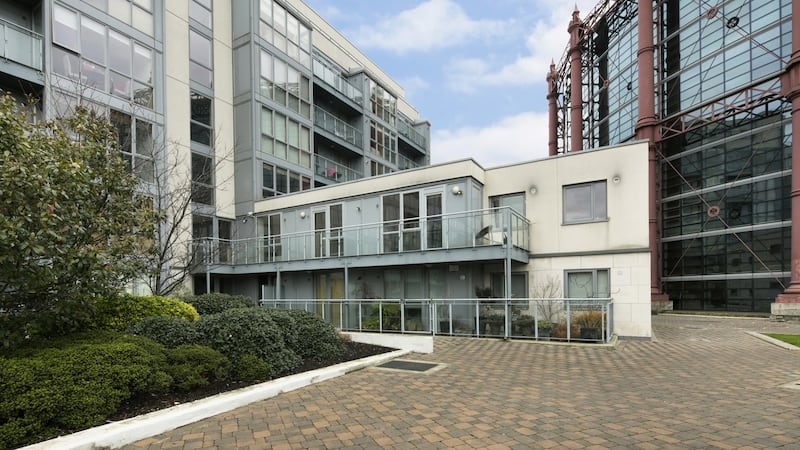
(544, 319)
(405, 129)
(481, 228)
(404, 163)
(338, 127)
(20, 45)
(336, 81)
(334, 171)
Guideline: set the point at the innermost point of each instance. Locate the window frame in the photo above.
(596, 213)
(595, 279)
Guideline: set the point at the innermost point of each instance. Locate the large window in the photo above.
(99, 57)
(278, 180)
(514, 201)
(200, 59)
(585, 202)
(200, 11)
(590, 283)
(383, 142)
(283, 30)
(202, 179)
(285, 138)
(382, 103)
(285, 85)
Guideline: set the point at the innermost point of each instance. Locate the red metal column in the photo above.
(575, 85)
(790, 85)
(647, 128)
(552, 123)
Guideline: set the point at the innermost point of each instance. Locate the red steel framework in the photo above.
(568, 112)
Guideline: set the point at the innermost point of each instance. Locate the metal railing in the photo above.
(20, 44)
(404, 163)
(338, 127)
(481, 228)
(544, 319)
(334, 171)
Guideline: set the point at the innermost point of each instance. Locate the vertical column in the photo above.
(790, 84)
(552, 110)
(647, 128)
(575, 85)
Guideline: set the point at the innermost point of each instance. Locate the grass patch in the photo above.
(793, 339)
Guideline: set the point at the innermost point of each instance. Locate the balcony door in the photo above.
(401, 222)
(433, 220)
(328, 231)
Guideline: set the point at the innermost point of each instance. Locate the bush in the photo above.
(216, 303)
(73, 387)
(318, 339)
(285, 321)
(121, 312)
(251, 368)
(169, 331)
(248, 331)
(193, 366)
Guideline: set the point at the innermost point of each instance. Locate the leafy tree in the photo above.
(71, 221)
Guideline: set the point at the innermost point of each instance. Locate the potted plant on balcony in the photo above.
(545, 328)
(590, 324)
(523, 325)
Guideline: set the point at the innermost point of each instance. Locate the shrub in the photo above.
(215, 303)
(589, 319)
(243, 331)
(73, 387)
(192, 366)
(169, 331)
(121, 312)
(560, 331)
(251, 368)
(318, 339)
(285, 321)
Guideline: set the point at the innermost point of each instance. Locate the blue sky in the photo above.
(474, 68)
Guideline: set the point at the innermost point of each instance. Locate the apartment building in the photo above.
(711, 85)
(236, 101)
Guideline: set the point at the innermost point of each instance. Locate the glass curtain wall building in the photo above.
(720, 130)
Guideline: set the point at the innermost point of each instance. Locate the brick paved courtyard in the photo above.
(701, 383)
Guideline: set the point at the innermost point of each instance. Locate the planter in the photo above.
(591, 334)
(544, 334)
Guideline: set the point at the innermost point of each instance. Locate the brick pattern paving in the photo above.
(701, 383)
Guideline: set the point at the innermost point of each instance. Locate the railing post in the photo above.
(507, 316)
(569, 318)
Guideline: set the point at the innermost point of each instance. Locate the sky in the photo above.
(474, 68)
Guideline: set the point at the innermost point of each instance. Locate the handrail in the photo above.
(338, 127)
(21, 44)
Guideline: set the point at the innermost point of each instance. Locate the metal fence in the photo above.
(568, 320)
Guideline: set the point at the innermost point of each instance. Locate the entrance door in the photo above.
(328, 232)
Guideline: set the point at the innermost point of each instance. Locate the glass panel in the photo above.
(119, 51)
(121, 9)
(93, 41)
(199, 13)
(143, 21)
(144, 138)
(577, 203)
(580, 285)
(65, 28)
(142, 64)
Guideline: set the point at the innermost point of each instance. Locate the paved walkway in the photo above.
(702, 383)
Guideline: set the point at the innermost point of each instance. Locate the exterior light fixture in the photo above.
(457, 190)
(532, 190)
(302, 214)
(616, 179)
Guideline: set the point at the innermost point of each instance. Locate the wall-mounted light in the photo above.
(457, 190)
(532, 190)
(616, 179)
(302, 214)
(358, 208)
(249, 215)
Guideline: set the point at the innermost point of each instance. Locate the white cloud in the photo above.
(431, 25)
(546, 41)
(513, 139)
(412, 86)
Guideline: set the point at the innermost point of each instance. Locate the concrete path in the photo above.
(701, 383)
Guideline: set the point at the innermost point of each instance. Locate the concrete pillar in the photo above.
(575, 86)
(552, 110)
(787, 304)
(647, 128)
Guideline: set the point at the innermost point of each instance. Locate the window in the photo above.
(514, 201)
(283, 30)
(285, 85)
(135, 138)
(591, 283)
(585, 202)
(202, 179)
(269, 227)
(285, 138)
(519, 285)
(200, 10)
(200, 59)
(278, 180)
(382, 103)
(383, 142)
(201, 119)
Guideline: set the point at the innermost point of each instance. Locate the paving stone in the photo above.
(702, 383)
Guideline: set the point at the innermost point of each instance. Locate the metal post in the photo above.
(278, 285)
(208, 265)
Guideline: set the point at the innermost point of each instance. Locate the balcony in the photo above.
(21, 45)
(435, 237)
(588, 320)
(337, 82)
(333, 171)
(337, 127)
(404, 163)
(406, 129)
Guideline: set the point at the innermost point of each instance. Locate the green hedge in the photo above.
(243, 331)
(169, 331)
(73, 387)
(317, 339)
(121, 312)
(216, 303)
(193, 366)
